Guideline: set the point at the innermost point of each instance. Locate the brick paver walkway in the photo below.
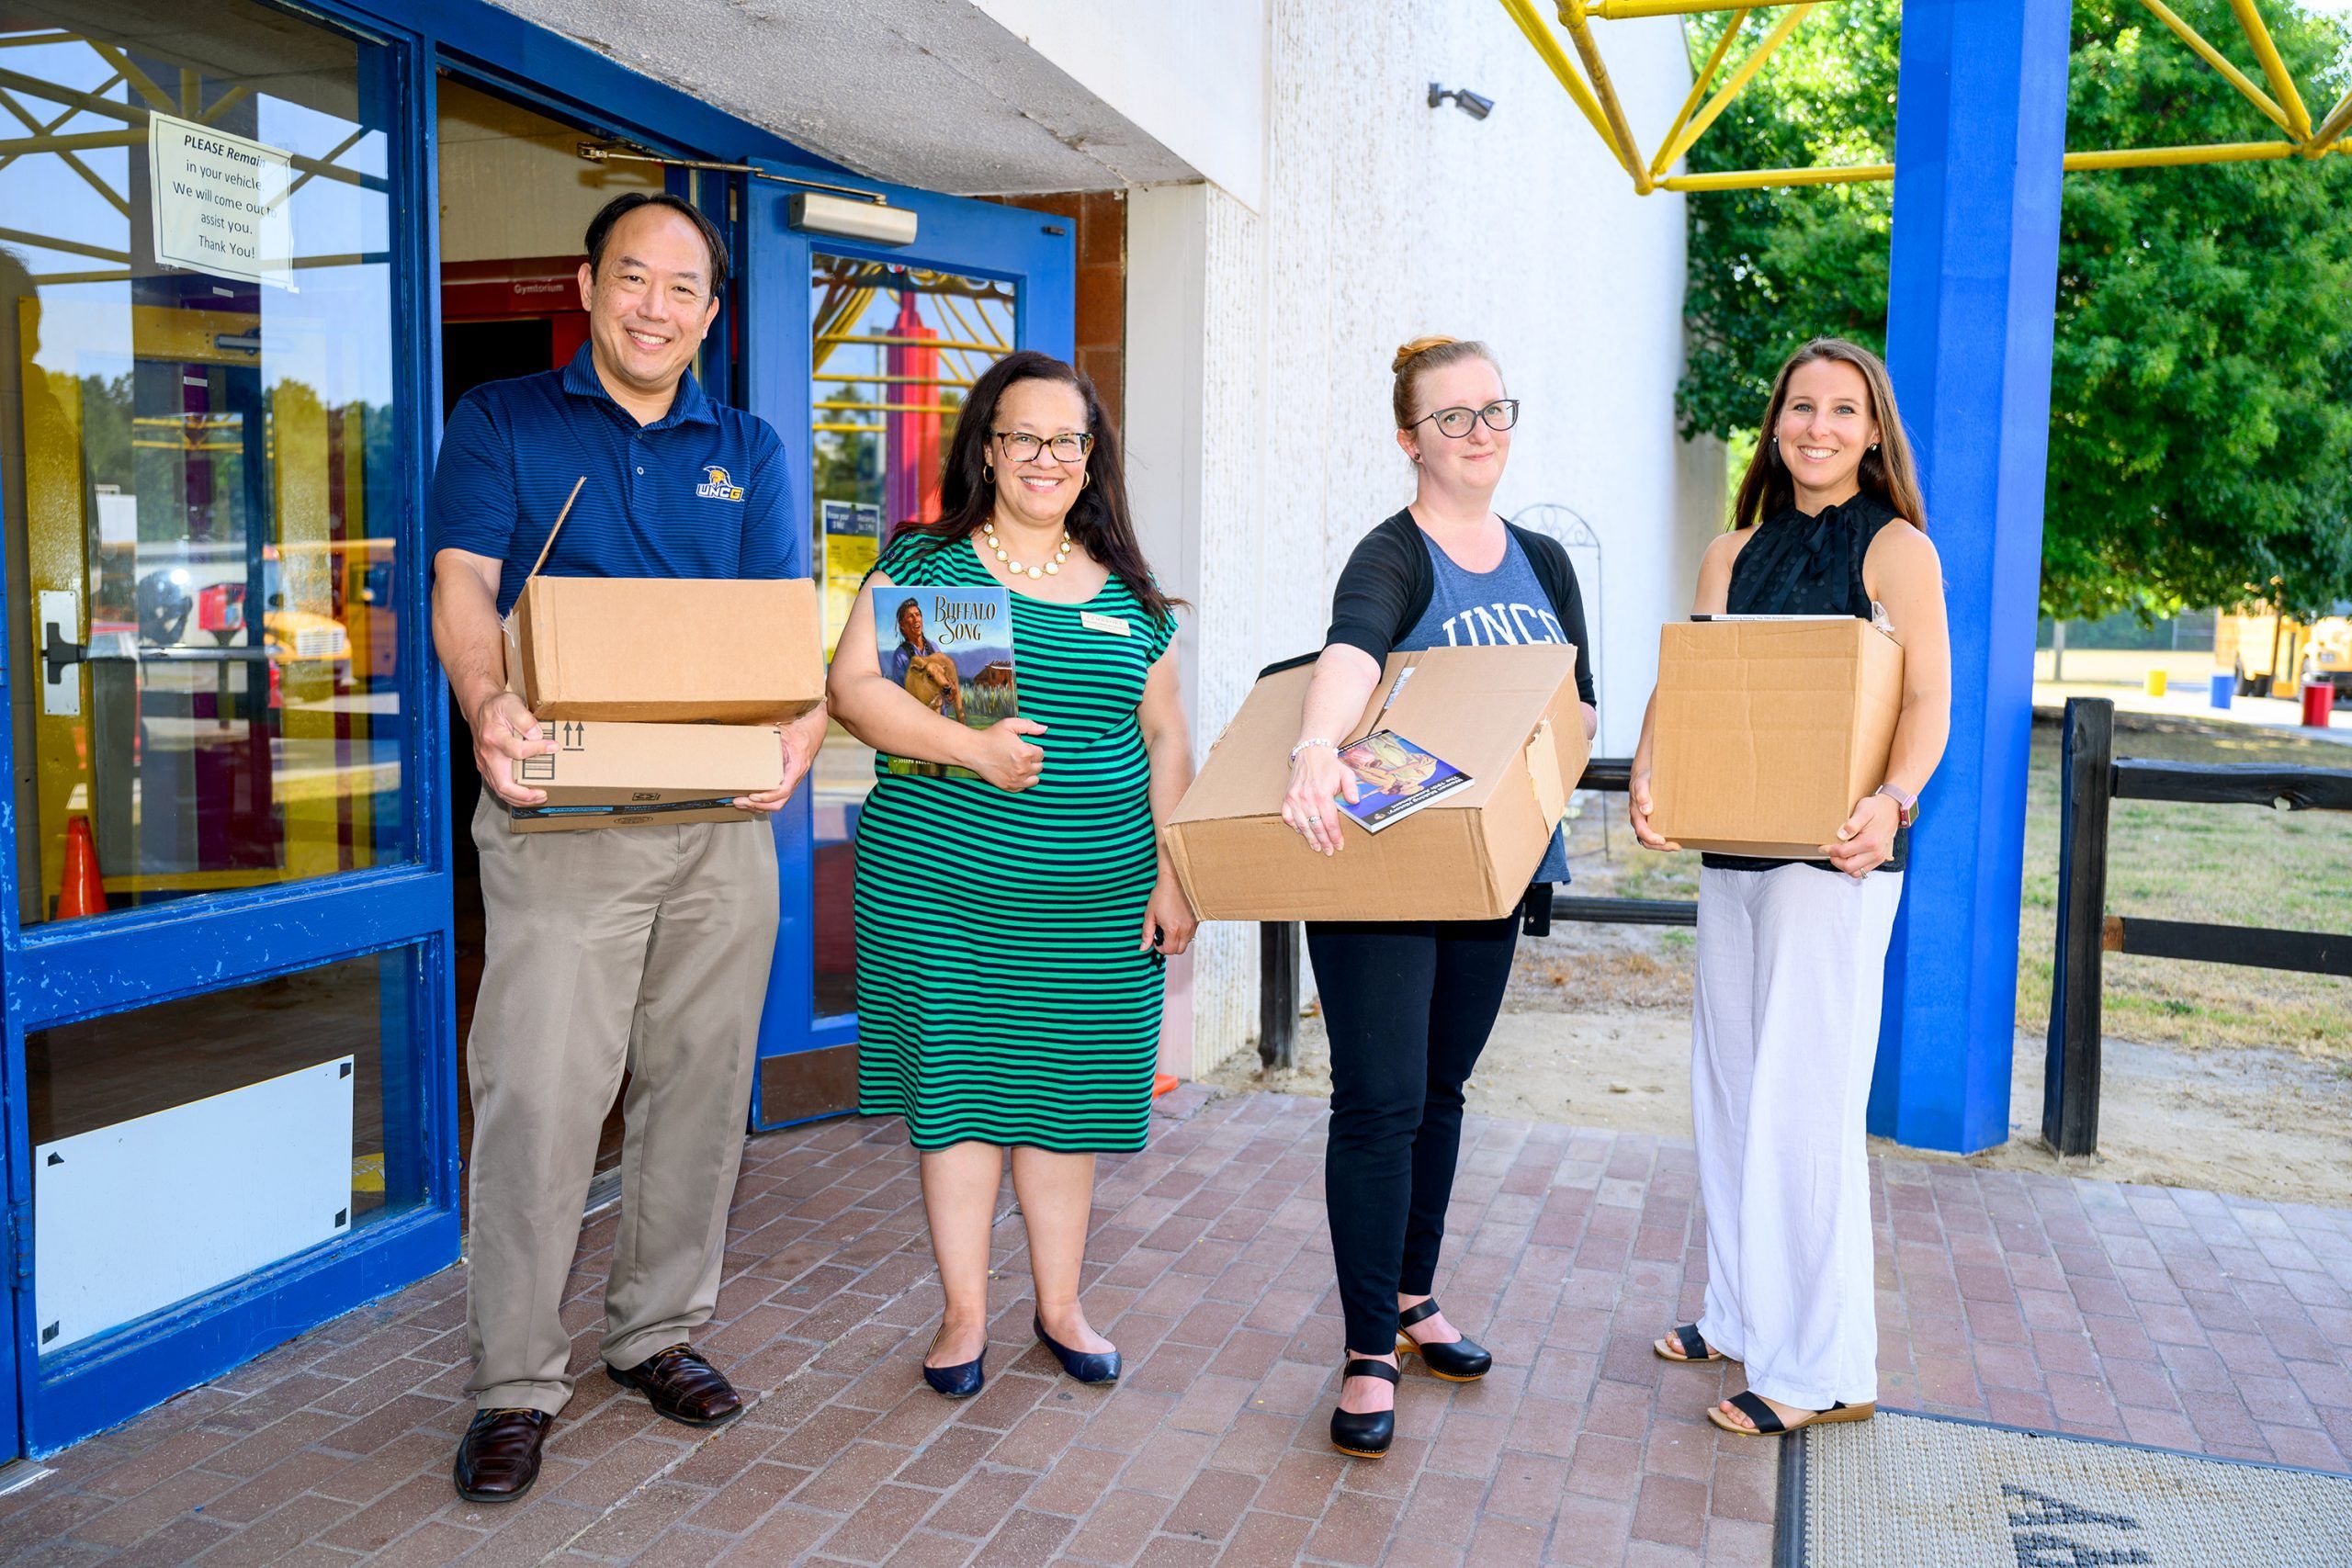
(2169, 1317)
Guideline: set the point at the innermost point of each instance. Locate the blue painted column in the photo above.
(1980, 133)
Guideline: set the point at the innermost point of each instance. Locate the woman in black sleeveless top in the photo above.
(1792, 954)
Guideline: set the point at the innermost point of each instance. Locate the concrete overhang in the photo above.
(935, 94)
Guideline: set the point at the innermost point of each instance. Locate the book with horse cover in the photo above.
(951, 650)
(1395, 778)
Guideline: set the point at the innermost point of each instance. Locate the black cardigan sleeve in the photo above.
(1374, 603)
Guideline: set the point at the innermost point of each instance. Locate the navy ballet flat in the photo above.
(957, 1382)
(1086, 1366)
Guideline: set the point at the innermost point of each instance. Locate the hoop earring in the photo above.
(988, 473)
(1086, 480)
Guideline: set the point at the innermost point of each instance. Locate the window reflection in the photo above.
(198, 433)
(895, 351)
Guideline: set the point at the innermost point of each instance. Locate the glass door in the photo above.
(224, 910)
(861, 355)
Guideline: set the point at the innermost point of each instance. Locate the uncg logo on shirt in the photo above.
(1483, 625)
(716, 487)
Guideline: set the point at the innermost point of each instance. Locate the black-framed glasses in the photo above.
(1500, 414)
(1070, 446)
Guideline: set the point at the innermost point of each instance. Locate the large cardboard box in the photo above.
(633, 775)
(669, 651)
(1768, 731)
(1508, 717)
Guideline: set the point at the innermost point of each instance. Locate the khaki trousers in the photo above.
(645, 948)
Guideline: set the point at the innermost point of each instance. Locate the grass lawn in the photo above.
(2232, 864)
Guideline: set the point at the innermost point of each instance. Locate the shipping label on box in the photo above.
(1509, 716)
(625, 775)
(1767, 732)
(669, 651)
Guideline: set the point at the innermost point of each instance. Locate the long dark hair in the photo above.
(1888, 476)
(1099, 520)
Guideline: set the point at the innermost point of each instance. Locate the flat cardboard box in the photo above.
(1508, 717)
(634, 775)
(669, 651)
(1768, 731)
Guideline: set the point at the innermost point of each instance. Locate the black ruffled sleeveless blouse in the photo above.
(1798, 565)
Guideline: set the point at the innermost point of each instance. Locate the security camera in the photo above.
(1468, 102)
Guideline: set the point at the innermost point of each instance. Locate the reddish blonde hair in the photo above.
(1422, 356)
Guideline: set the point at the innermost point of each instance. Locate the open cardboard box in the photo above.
(669, 651)
(631, 776)
(1508, 717)
(1768, 730)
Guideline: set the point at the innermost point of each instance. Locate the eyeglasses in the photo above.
(1500, 414)
(1070, 446)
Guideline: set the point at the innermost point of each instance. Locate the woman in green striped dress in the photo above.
(1011, 927)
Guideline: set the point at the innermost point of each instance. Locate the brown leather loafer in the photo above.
(683, 1386)
(499, 1455)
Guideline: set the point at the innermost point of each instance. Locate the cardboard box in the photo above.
(669, 651)
(1508, 717)
(1768, 731)
(633, 775)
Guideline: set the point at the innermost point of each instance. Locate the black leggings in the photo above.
(1408, 1006)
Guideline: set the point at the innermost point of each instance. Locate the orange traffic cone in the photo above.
(81, 892)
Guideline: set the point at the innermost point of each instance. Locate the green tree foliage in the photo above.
(2200, 440)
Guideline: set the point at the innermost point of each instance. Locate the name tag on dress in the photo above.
(1094, 623)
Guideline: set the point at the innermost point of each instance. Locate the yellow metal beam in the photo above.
(1629, 151)
(2176, 157)
(1759, 179)
(1706, 116)
(1623, 10)
(2218, 61)
(2324, 135)
(2076, 163)
(1699, 85)
(2282, 85)
(1548, 50)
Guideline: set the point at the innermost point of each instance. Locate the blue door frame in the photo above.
(1034, 252)
(85, 969)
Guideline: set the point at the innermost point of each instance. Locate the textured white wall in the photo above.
(1191, 76)
(1383, 219)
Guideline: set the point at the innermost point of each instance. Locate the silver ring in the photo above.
(1312, 817)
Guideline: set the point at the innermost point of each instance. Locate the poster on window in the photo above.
(853, 533)
(220, 202)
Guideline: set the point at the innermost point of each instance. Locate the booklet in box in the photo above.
(1768, 730)
(1507, 716)
(1395, 778)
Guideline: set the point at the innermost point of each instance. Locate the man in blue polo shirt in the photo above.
(645, 948)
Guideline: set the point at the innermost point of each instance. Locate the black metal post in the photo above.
(1277, 992)
(2086, 785)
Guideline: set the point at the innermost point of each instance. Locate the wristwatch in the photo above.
(1906, 806)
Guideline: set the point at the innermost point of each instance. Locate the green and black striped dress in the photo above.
(1000, 995)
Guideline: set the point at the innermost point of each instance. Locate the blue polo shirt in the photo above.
(702, 491)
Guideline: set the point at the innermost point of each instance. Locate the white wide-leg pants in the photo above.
(1784, 1032)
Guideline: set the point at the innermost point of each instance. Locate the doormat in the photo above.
(1911, 1491)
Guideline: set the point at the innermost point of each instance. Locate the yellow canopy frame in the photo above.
(1595, 97)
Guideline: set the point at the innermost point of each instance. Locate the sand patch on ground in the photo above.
(2263, 1123)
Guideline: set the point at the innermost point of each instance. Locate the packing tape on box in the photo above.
(1544, 772)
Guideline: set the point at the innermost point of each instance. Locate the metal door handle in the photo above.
(58, 651)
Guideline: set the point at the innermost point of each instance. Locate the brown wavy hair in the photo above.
(1888, 475)
(1423, 355)
(1099, 519)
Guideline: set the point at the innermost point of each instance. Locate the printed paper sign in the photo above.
(220, 202)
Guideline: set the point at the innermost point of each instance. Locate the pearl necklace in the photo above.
(1061, 553)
